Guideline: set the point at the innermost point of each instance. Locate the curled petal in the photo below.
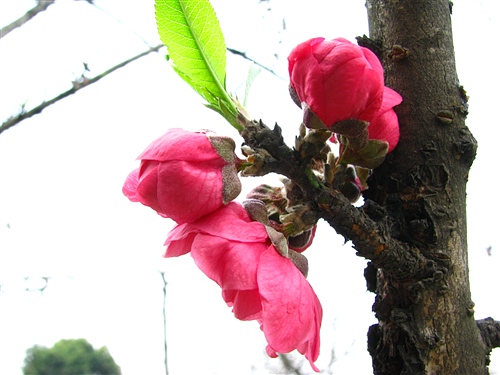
(272, 353)
(231, 222)
(302, 51)
(185, 175)
(174, 144)
(391, 99)
(179, 241)
(232, 265)
(385, 125)
(246, 304)
(256, 281)
(310, 348)
(188, 190)
(386, 128)
(130, 186)
(147, 187)
(337, 79)
(291, 312)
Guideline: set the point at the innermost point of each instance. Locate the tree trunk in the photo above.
(426, 322)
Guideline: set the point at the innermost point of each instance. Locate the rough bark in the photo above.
(426, 324)
(412, 226)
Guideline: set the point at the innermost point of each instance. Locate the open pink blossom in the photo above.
(256, 281)
(384, 125)
(185, 175)
(337, 79)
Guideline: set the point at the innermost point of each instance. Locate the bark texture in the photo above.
(426, 322)
(412, 227)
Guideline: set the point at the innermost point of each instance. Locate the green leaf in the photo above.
(196, 47)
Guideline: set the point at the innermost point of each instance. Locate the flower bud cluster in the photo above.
(253, 251)
(192, 178)
(340, 87)
(185, 175)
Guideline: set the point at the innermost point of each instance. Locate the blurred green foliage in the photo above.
(69, 357)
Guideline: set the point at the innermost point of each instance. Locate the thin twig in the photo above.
(289, 366)
(77, 85)
(245, 56)
(121, 22)
(40, 7)
(164, 319)
(84, 82)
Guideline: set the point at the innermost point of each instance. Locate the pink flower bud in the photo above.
(185, 175)
(384, 125)
(337, 79)
(256, 280)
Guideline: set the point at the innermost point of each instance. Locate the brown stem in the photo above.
(40, 7)
(372, 239)
(289, 366)
(77, 85)
(246, 57)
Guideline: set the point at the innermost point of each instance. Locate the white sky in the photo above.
(62, 213)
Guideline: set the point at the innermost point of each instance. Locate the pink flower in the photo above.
(185, 175)
(384, 125)
(256, 281)
(337, 79)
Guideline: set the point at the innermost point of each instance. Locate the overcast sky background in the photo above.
(63, 216)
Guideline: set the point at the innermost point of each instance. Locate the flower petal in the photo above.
(179, 241)
(385, 128)
(189, 190)
(246, 303)
(130, 186)
(337, 79)
(385, 125)
(232, 265)
(174, 143)
(310, 348)
(232, 222)
(291, 313)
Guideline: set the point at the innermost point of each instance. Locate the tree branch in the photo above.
(40, 7)
(91, 2)
(84, 82)
(245, 56)
(77, 85)
(367, 227)
(289, 365)
(490, 331)
(165, 320)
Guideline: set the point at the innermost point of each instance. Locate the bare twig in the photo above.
(77, 85)
(289, 365)
(164, 319)
(40, 7)
(120, 22)
(245, 56)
